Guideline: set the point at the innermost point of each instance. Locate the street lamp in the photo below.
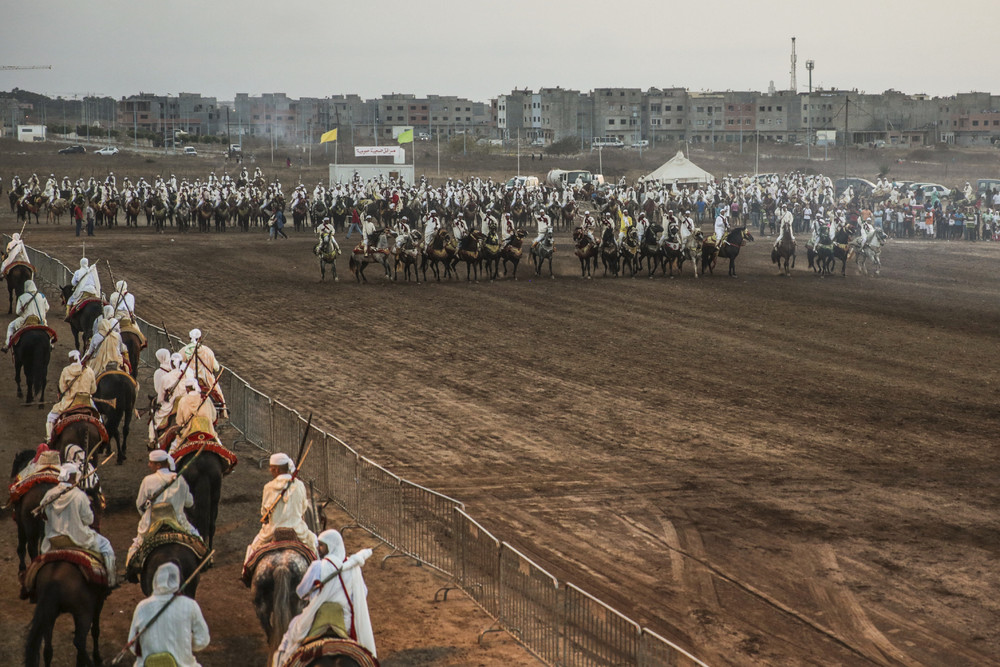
(809, 66)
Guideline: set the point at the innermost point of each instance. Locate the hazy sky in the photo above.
(309, 48)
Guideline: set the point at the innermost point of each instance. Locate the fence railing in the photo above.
(559, 623)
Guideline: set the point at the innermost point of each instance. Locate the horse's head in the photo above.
(66, 291)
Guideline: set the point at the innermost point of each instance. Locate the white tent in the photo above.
(679, 169)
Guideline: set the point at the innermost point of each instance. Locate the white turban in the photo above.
(195, 335)
(74, 355)
(29, 287)
(176, 359)
(16, 236)
(282, 459)
(161, 456)
(109, 312)
(121, 286)
(167, 580)
(163, 356)
(84, 263)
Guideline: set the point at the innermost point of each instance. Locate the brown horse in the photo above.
(512, 251)
(28, 207)
(55, 210)
(441, 250)
(730, 249)
(299, 214)
(784, 250)
(469, 251)
(109, 212)
(132, 210)
(205, 212)
(586, 250)
(568, 214)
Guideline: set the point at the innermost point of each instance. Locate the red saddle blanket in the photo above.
(90, 564)
(277, 545)
(65, 420)
(212, 446)
(314, 650)
(34, 327)
(77, 307)
(122, 373)
(44, 476)
(13, 264)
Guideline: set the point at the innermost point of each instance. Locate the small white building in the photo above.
(31, 133)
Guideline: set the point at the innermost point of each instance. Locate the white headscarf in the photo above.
(163, 356)
(29, 286)
(121, 287)
(84, 263)
(195, 335)
(167, 580)
(282, 459)
(66, 471)
(74, 356)
(176, 359)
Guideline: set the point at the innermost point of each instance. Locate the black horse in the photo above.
(61, 587)
(30, 528)
(841, 248)
(729, 248)
(176, 552)
(649, 248)
(117, 386)
(16, 276)
(204, 478)
(32, 352)
(82, 321)
(133, 344)
(610, 257)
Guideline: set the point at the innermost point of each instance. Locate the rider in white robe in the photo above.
(85, 281)
(160, 487)
(32, 302)
(323, 584)
(15, 252)
(179, 631)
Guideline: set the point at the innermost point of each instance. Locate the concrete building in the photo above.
(617, 113)
(664, 115)
(187, 112)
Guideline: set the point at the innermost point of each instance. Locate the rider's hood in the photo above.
(29, 286)
(334, 544)
(167, 579)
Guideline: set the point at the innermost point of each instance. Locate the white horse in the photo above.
(691, 238)
(871, 252)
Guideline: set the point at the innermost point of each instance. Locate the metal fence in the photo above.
(560, 624)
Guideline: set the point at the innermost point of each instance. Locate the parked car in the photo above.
(642, 143)
(189, 150)
(107, 150)
(860, 185)
(423, 136)
(529, 182)
(929, 189)
(72, 149)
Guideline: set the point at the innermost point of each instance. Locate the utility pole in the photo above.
(809, 66)
(847, 133)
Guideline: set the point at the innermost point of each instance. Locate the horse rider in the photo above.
(195, 414)
(68, 513)
(624, 225)
(402, 231)
(106, 347)
(169, 636)
(15, 252)
(206, 366)
(867, 231)
(165, 377)
(460, 230)
(30, 304)
(544, 227)
(368, 233)
(283, 504)
(331, 579)
(107, 314)
(74, 454)
(85, 281)
(786, 218)
(325, 228)
(431, 227)
(123, 302)
(44, 458)
(161, 486)
(721, 227)
(640, 227)
(74, 379)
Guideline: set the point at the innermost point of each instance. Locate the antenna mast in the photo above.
(794, 87)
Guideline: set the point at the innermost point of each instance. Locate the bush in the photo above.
(565, 146)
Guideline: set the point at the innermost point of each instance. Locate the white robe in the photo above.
(177, 631)
(68, 513)
(288, 513)
(85, 281)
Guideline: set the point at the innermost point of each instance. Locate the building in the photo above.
(31, 133)
(664, 115)
(187, 112)
(617, 113)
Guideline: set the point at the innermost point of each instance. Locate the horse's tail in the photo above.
(46, 611)
(284, 589)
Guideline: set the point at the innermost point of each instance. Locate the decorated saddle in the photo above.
(10, 266)
(43, 475)
(310, 651)
(163, 529)
(81, 304)
(126, 325)
(211, 445)
(79, 413)
(284, 538)
(33, 324)
(91, 564)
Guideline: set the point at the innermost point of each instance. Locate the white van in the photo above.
(607, 142)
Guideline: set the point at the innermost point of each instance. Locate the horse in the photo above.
(327, 251)
(734, 239)
(512, 251)
(377, 255)
(672, 249)
(17, 274)
(871, 253)
(82, 319)
(120, 387)
(222, 212)
(568, 216)
(108, 212)
(440, 251)
(170, 546)
(842, 247)
(408, 255)
(542, 251)
(204, 212)
(183, 214)
(299, 214)
(55, 210)
(30, 528)
(650, 249)
(629, 252)
(610, 256)
(468, 251)
(273, 584)
(133, 346)
(586, 251)
(243, 210)
(29, 206)
(692, 240)
(784, 249)
(32, 351)
(62, 587)
(132, 209)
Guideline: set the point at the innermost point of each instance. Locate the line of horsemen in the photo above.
(55, 492)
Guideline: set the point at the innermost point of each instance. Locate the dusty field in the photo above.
(765, 470)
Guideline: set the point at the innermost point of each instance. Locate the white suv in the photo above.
(189, 150)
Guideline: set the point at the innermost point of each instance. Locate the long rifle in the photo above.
(303, 453)
(180, 591)
(194, 353)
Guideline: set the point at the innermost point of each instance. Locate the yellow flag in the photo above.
(328, 136)
(405, 137)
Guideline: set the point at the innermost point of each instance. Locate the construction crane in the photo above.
(6, 67)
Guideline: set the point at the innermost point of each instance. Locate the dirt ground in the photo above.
(766, 470)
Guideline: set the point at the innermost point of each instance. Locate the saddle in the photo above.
(115, 371)
(85, 299)
(128, 326)
(44, 475)
(284, 538)
(309, 652)
(84, 414)
(10, 266)
(211, 445)
(90, 563)
(164, 528)
(33, 324)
